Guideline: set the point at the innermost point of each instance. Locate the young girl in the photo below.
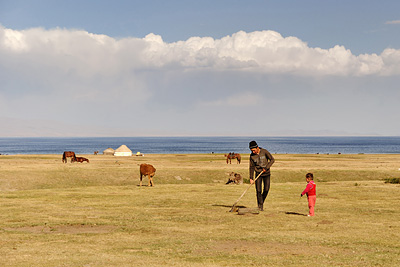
(311, 193)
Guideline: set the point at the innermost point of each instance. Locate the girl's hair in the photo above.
(310, 175)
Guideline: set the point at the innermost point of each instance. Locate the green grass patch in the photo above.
(392, 180)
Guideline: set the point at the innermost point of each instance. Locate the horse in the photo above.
(96, 152)
(231, 156)
(79, 159)
(68, 154)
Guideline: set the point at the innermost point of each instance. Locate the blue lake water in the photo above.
(197, 145)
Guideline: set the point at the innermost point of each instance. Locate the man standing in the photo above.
(260, 162)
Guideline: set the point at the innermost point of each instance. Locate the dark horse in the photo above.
(68, 154)
(79, 159)
(231, 156)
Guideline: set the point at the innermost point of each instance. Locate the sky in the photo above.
(199, 68)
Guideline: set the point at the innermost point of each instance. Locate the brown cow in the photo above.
(235, 178)
(149, 171)
(79, 159)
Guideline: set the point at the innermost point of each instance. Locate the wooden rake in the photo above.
(244, 192)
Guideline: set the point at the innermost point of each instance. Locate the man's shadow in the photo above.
(228, 206)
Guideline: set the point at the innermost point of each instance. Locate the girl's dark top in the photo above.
(258, 162)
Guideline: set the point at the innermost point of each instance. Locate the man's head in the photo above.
(254, 147)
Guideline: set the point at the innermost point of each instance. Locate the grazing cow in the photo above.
(68, 154)
(80, 159)
(96, 152)
(231, 156)
(149, 171)
(235, 178)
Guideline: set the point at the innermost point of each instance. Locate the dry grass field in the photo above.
(80, 214)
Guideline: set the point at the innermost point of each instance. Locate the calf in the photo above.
(235, 178)
(149, 171)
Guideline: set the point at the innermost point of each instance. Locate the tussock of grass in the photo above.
(392, 180)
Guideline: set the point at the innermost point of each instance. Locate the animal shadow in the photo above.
(295, 213)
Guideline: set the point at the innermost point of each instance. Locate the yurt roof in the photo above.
(123, 148)
(109, 150)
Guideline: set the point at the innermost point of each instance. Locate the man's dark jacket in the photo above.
(258, 162)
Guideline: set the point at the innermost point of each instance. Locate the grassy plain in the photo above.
(55, 214)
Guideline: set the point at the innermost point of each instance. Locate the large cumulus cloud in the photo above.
(87, 54)
(72, 75)
(268, 52)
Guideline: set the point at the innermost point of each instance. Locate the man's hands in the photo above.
(252, 181)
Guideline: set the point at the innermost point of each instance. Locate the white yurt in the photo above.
(109, 151)
(123, 151)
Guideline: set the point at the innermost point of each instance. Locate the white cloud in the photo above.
(146, 84)
(82, 54)
(393, 22)
(264, 51)
(241, 100)
(391, 59)
(14, 40)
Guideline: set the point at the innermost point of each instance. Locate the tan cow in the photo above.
(149, 171)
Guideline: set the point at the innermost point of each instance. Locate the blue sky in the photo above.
(199, 67)
(359, 25)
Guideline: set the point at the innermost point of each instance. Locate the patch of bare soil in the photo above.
(270, 248)
(325, 222)
(65, 229)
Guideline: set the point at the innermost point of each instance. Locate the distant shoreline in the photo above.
(203, 145)
(194, 154)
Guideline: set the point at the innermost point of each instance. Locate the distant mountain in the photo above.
(11, 127)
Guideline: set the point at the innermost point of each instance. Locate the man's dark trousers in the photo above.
(264, 179)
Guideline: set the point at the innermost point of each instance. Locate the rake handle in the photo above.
(245, 191)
